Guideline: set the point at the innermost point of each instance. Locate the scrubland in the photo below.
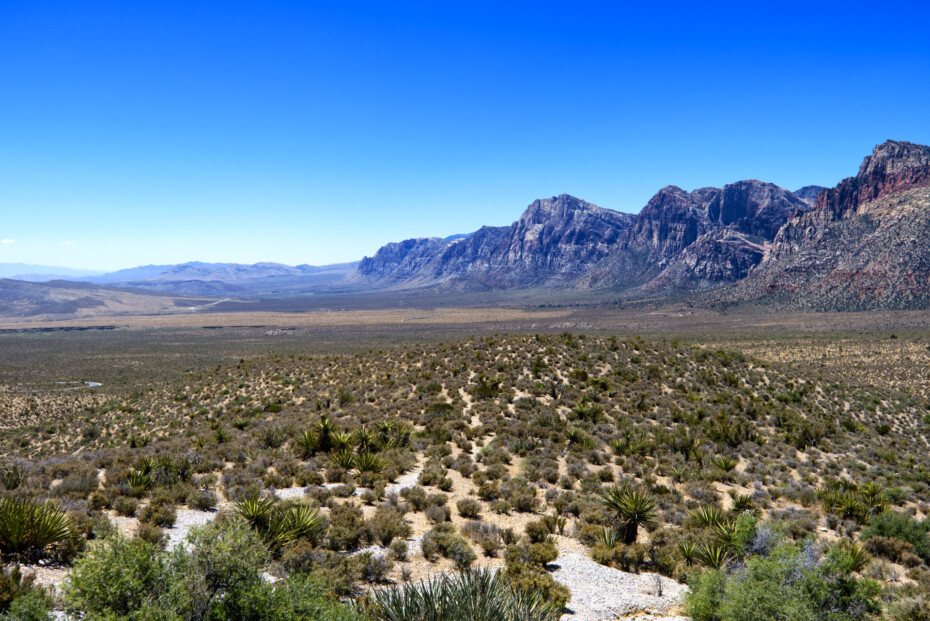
(729, 462)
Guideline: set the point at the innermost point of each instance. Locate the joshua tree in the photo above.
(630, 508)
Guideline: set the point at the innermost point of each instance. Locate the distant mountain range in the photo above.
(679, 242)
(42, 273)
(864, 244)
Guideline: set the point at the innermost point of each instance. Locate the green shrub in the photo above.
(120, 577)
(903, 527)
(443, 540)
(621, 556)
(218, 575)
(386, 525)
(126, 506)
(159, 515)
(794, 582)
(346, 527)
(469, 508)
(202, 500)
(14, 586)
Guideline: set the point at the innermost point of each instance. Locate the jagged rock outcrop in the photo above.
(551, 244)
(865, 245)
(681, 241)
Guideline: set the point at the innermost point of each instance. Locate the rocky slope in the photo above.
(865, 245)
(552, 244)
(686, 241)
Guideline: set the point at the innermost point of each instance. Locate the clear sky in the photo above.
(314, 132)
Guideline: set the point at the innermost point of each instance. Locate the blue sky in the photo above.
(314, 132)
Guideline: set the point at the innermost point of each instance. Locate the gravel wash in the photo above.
(602, 593)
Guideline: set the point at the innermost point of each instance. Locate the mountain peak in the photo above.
(893, 156)
(893, 167)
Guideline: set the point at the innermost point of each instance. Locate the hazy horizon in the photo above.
(313, 134)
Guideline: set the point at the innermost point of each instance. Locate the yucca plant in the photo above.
(713, 555)
(725, 463)
(607, 537)
(707, 516)
(306, 444)
(688, 552)
(277, 526)
(577, 437)
(28, 529)
(368, 462)
(344, 458)
(873, 499)
(617, 446)
(742, 503)
(724, 530)
(476, 595)
(324, 431)
(852, 556)
(590, 412)
(256, 511)
(680, 474)
(299, 522)
(364, 440)
(631, 507)
(139, 481)
(340, 441)
(849, 507)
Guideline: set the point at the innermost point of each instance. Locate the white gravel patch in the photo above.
(291, 492)
(187, 519)
(600, 593)
(404, 481)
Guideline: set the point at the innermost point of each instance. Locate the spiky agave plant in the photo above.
(324, 432)
(851, 556)
(707, 516)
(11, 477)
(607, 537)
(364, 440)
(344, 458)
(631, 507)
(256, 511)
(28, 529)
(477, 595)
(688, 552)
(369, 462)
(341, 440)
(139, 481)
(306, 444)
(742, 502)
(298, 522)
(713, 554)
(725, 463)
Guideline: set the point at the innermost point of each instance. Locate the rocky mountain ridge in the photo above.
(549, 245)
(865, 245)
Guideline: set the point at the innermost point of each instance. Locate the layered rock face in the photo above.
(865, 245)
(553, 242)
(683, 241)
(892, 167)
